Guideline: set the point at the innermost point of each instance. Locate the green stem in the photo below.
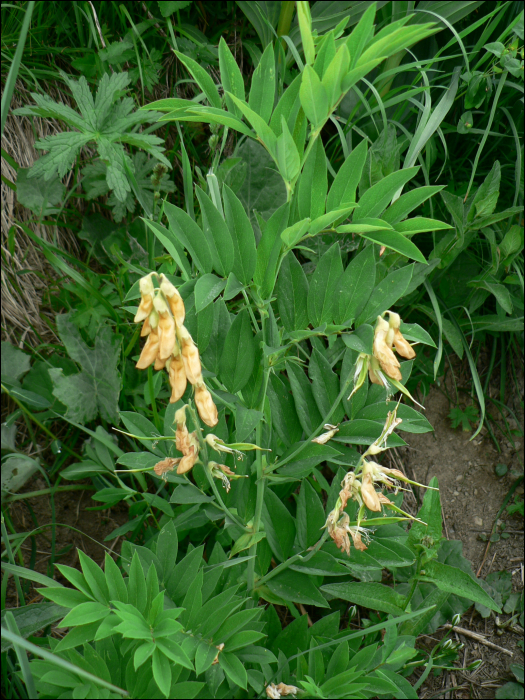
(292, 560)
(12, 561)
(152, 398)
(413, 586)
(261, 479)
(37, 422)
(43, 492)
(319, 429)
(252, 315)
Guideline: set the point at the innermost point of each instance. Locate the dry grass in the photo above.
(26, 274)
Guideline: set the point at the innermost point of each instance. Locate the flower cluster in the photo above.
(383, 364)
(359, 485)
(169, 344)
(185, 442)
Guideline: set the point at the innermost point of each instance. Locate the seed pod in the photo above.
(177, 377)
(174, 300)
(190, 357)
(149, 351)
(388, 361)
(205, 406)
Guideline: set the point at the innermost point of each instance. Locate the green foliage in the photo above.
(284, 254)
(464, 418)
(108, 121)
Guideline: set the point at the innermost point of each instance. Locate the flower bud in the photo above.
(174, 300)
(388, 361)
(149, 351)
(146, 301)
(159, 364)
(146, 328)
(205, 406)
(190, 357)
(368, 492)
(182, 436)
(331, 431)
(177, 377)
(167, 336)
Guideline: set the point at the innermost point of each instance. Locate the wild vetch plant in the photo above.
(280, 376)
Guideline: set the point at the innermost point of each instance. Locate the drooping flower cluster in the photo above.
(169, 344)
(359, 485)
(383, 364)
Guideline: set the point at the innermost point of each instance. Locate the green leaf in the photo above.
(385, 295)
(361, 34)
(217, 234)
(233, 669)
(334, 74)
(452, 580)
(486, 197)
(263, 189)
(314, 98)
(37, 194)
(345, 183)
(278, 525)
(15, 363)
(292, 290)
(168, 7)
(190, 236)
(325, 386)
(361, 340)
(238, 355)
(202, 79)
(293, 234)
(310, 456)
(207, 289)
(284, 416)
(231, 76)
(269, 250)
(245, 253)
(374, 596)
(85, 613)
(96, 388)
(246, 421)
(264, 134)
(305, 405)
(305, 27)
(395, 241)
(409, 201)
(209, 115)
(310, 516)
(313, 184)
(288, 158)
(161, 668)
(32, 618)
(420, 225)
(221, 325)
(362, 226)
(262, 91)
(429, 513)
(464, 418)
(501, 292)
(355, 286)
(323, 284)
(376, 199)
(296, 587)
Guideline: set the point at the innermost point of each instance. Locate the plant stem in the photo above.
(316, 432)
(43, 492)
(152, 398)
(413, 586)
(40, 425)
(293, 560)
(261, 479)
